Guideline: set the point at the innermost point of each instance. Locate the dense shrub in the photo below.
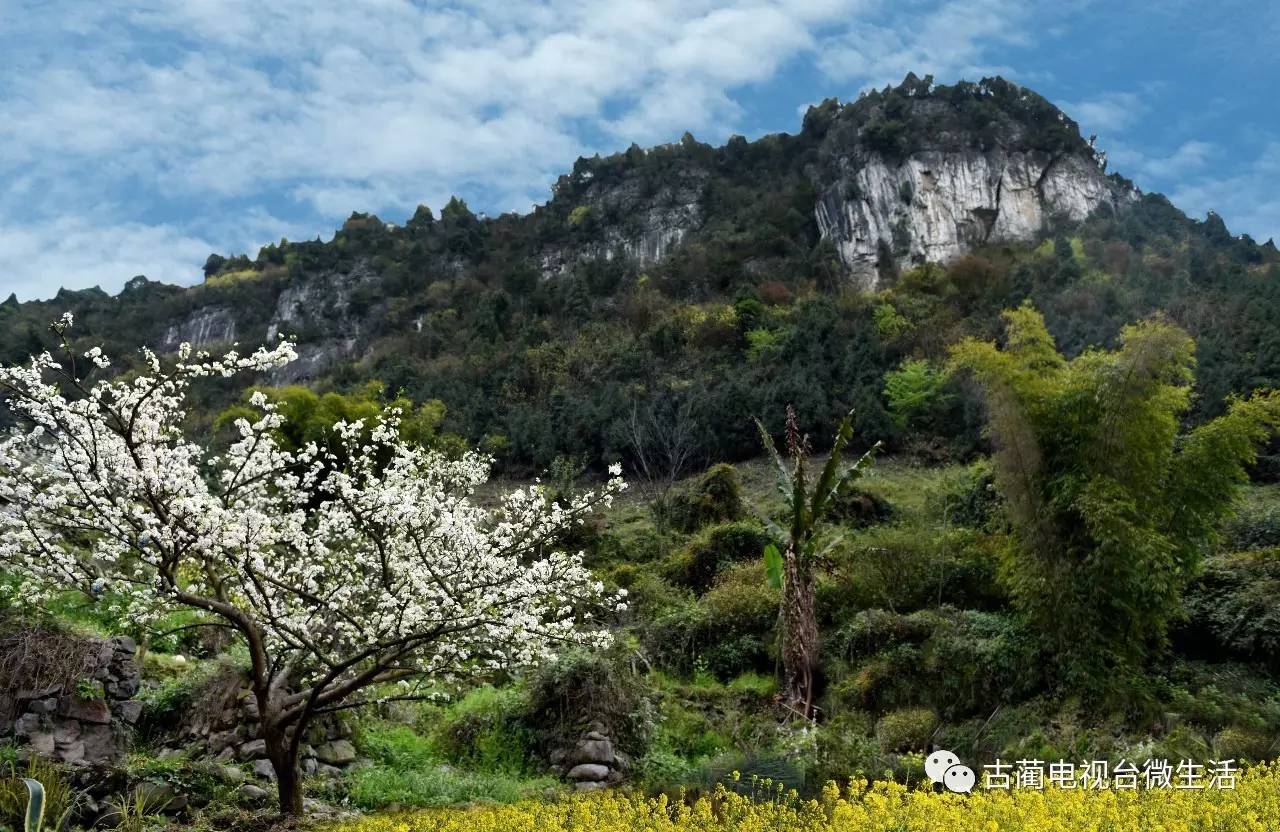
(891, 678)
(728, 630)
(907, 729)
(584, 687)
(715, 497)
(846, 747)
(955, 662)
(484, 730)
(1215, 695)
(873, 630)
(978, 660)
(1244, 744)
(742, 610)
(1234, 607)
(1255, 527)
(859, 508)
(715, 549)
(975, 502)
(905, 568)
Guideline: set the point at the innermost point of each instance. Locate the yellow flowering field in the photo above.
(1254, 805)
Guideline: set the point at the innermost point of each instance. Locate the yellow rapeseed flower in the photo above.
(1253, 806)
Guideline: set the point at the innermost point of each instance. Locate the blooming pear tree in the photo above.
(344, 581)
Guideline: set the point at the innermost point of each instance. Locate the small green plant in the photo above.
(133, 810)
(34, 793)
(90, 689)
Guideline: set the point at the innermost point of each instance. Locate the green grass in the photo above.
(407, 770)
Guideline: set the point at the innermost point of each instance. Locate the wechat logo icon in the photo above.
(945, 768)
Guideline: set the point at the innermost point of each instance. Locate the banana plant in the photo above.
(792, 570)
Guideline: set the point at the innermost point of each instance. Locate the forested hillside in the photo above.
(702, 286)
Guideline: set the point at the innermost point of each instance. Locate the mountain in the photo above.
(712, 284)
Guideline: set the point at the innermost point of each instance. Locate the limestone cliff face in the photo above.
(936, 205)
(321, 306)
(636, 218)
(203, 327)
(319, 310)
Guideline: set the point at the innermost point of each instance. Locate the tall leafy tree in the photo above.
(807, 506)
(1112, 503)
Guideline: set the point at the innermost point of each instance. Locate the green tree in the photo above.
(914, 391)
(1111, 503)
(806, 509)
(310, 416)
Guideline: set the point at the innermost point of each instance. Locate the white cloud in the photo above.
(1106, 113)
(952, 40)
(222, 103)
(84, 251)
(139, 138)
(37, 259)
(1246, 197)
(1161, 171)
(1248, 200)
(1190, 156)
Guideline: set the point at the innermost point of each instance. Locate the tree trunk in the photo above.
(284, 761)
(799, 633)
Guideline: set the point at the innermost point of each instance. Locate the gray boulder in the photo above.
(253, 750)
(593, 751)
(588, 771)
(336, 753)
(129, 710)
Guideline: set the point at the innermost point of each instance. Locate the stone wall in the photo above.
(225, 729)
(85, 722)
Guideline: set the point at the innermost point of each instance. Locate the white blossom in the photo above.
(378, 571)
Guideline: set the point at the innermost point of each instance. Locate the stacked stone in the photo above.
(230, 735)
(81, 728)
(593, 763)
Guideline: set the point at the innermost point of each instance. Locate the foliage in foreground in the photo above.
(1254, 805)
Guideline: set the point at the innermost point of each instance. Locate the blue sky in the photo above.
(138, 138)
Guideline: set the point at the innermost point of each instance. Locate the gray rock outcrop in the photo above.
(631, 219)
(204, 326)
(936, 205)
